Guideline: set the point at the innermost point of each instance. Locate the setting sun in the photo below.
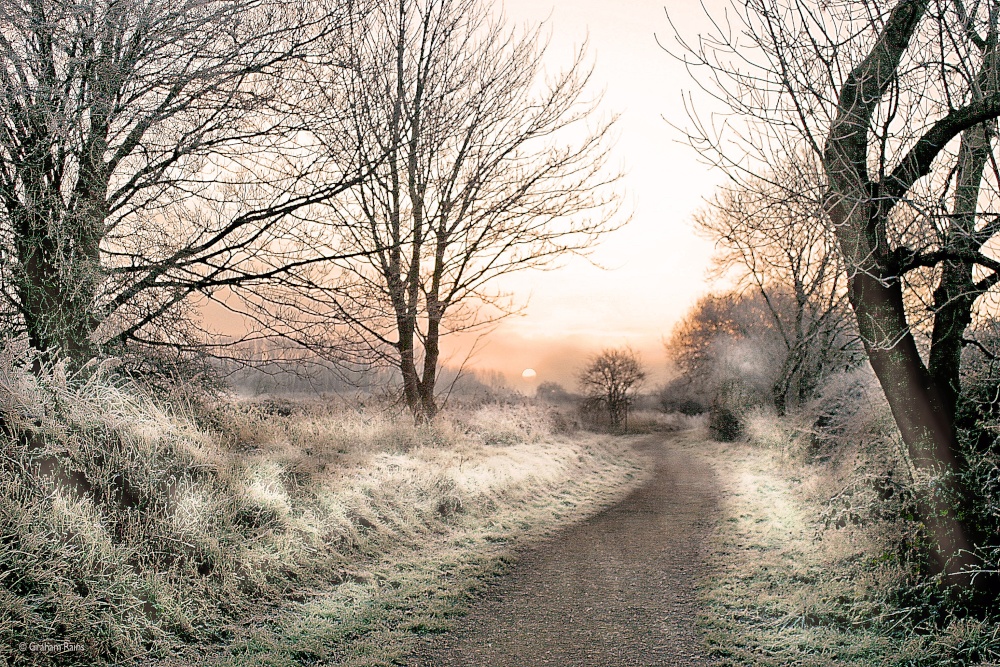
(529, 374)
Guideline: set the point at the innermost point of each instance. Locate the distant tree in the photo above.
(725, 336)
(492, 165)
(728, 351)
(611, 377)
(772, 238)
(676, 396)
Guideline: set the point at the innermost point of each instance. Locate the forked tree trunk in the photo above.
(956, 292)
(953, 302)
(432, 355)
(859, 210)
(408, 367)
(419, 388)
(918, 406)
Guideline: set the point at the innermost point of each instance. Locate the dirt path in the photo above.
(615, 590)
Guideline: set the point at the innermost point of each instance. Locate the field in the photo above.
(189, 529)
(138, 530)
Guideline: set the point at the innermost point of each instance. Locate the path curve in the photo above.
(615, 590)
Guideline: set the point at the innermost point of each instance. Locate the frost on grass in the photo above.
(224, 533)
(802, 576)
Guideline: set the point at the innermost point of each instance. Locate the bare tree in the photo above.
(155, 153)
(771, 237)
(881, 93)
(492, 167)
(611, 377)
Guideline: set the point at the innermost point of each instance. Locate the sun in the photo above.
(529, 374)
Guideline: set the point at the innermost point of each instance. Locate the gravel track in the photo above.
(615, 590)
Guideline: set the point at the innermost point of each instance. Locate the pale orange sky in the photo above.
(657, 265)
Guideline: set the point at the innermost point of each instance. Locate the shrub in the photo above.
(505, 424)
(593, 414)
(733, 401)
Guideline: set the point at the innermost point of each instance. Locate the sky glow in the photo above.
(656, 265)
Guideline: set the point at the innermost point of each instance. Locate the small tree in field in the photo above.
(610, 377)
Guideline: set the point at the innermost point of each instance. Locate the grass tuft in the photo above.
(806, 571)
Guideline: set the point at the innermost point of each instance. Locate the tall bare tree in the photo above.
(493, 167)
(898, 102)
(152, 153)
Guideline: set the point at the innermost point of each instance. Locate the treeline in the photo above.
(785, 326)
(733, 357)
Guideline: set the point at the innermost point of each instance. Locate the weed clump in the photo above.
(731, 406)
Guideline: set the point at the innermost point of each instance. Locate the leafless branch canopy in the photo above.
(491, 166)
(154, 154)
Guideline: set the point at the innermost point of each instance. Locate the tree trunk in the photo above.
(57, 242)
(790, 367)
(408, 369)
(918, 407)
(859, 210)
(953, 301)
(919, 410)
(956, 292)
(432, 355)
(57, 289)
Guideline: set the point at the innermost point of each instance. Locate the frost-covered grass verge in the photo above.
(133, 532)
(800, 576)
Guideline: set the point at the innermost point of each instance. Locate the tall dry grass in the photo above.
(134, 530)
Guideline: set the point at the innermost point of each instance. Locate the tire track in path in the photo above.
(615, 590)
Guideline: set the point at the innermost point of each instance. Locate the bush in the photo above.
(866, 484)
(724, 424)
(505, 424)
(732, 403)
(850, 413)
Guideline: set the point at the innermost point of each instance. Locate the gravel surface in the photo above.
(618, 589)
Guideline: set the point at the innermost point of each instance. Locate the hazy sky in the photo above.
(657, 265)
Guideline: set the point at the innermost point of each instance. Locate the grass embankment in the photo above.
(132, 532)
(801, 575)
